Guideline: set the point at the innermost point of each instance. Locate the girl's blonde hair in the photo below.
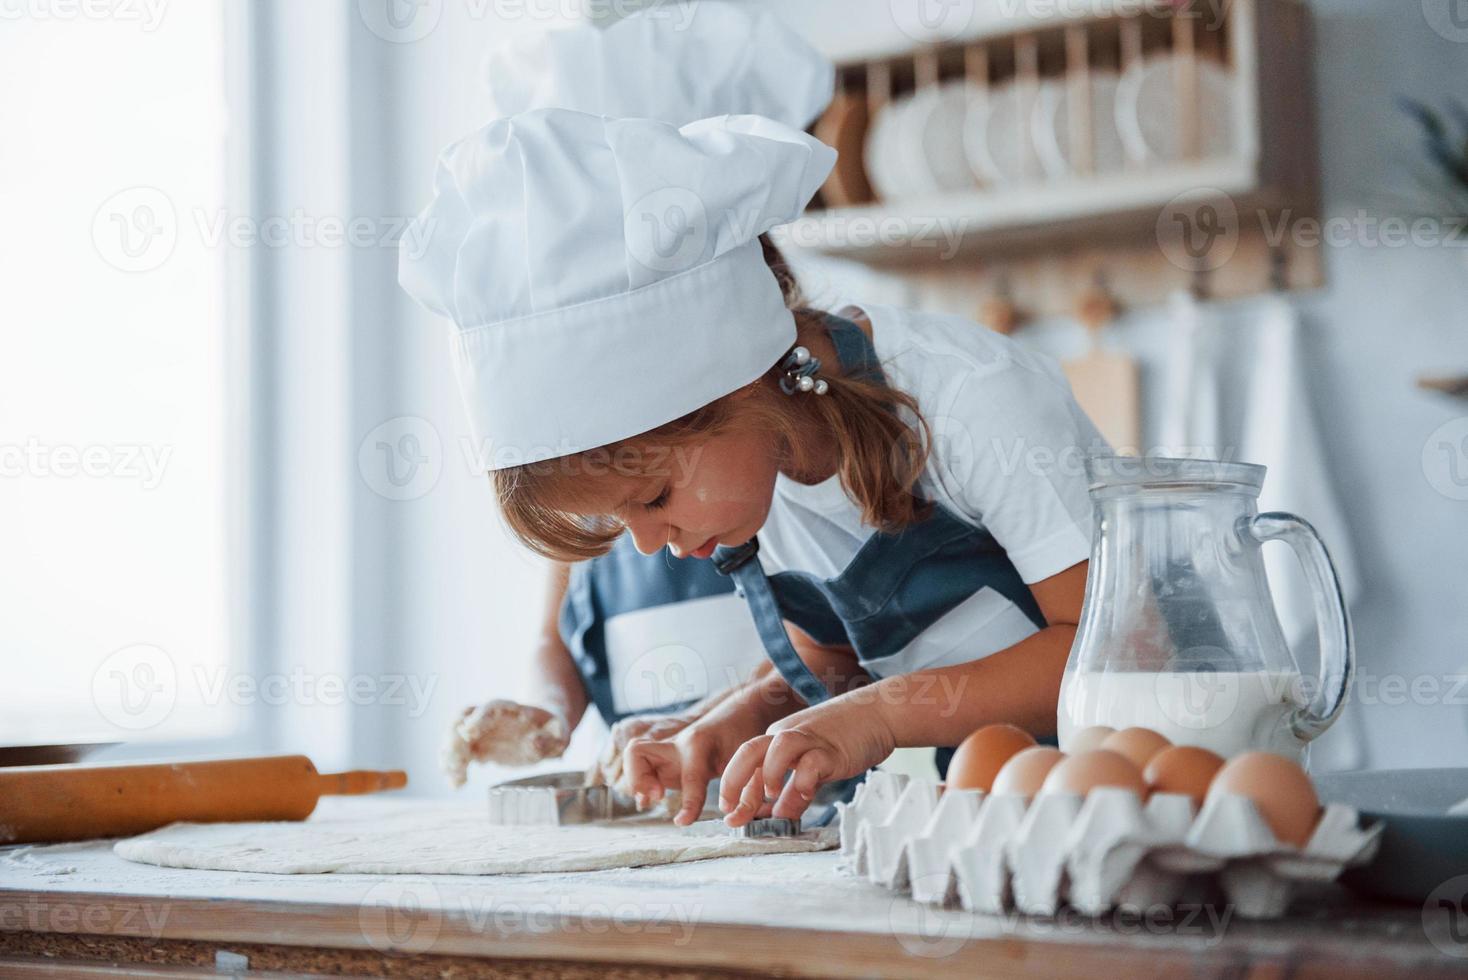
(881, 454)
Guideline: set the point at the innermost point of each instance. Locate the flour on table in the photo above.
(437, 840)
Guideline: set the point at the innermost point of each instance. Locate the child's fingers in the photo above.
(626, 730)
(784, 752)
(750, 802)
(742, 766)
(696, 775)
(811, 769)
(664, 729)
(610, 763)
(649, 767)
(611, 770)
(741, 788)
(623, 732)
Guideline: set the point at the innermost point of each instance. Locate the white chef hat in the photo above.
(605, 275)
(677, 61)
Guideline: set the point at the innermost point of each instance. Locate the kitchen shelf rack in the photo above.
(1116, 224)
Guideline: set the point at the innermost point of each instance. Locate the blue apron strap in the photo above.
(854, 350)
(856, 354)
(742, 564)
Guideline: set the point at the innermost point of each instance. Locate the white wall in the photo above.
(1388, 316)
(450, 597)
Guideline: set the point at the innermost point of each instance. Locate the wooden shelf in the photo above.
(1110, 226)
(1456, 386)
(984, 21)
(996, 222)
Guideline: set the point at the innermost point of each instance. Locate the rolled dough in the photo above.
(427, 839)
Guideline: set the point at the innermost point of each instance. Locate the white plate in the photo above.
(998, 135)
(1052, 128)
(1147, 110)
(916, 178)
(885, 170)
(933, 135)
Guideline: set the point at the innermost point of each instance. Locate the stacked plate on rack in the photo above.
(956, 136)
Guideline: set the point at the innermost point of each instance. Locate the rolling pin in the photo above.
(63, 803)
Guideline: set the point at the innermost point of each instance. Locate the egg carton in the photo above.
(1110, 850)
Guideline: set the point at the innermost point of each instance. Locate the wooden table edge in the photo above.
(783, 950)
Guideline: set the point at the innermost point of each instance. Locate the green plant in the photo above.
(1443, 193)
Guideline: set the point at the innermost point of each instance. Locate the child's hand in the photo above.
(506, 732)
(607, 769)
(686, 762)
(835, 740)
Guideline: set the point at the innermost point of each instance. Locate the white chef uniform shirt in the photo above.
(1009, 441)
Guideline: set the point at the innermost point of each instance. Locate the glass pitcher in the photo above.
(1178, 631)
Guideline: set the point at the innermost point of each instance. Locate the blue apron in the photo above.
(622, 581)
(895, 587)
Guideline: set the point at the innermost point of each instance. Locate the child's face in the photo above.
(703, 494)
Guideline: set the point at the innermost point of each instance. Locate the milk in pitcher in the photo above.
(1227, 713)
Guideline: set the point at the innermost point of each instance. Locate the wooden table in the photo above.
(66, 906)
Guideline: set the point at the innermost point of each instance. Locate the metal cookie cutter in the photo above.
(768, 827)
(556, 799)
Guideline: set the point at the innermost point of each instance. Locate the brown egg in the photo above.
(1025, 773)
(1137, 744)
(980, 756)
(1088, 738)
(1079, 774)
(1279, 788)
(1184, 769)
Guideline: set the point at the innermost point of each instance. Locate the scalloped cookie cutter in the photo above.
(556, 799)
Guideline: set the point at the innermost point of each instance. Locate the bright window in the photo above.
(117, 491)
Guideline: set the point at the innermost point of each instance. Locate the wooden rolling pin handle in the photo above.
(360, 781)
(60, 803)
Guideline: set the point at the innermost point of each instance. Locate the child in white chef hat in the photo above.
(608, 619)
(897, 494)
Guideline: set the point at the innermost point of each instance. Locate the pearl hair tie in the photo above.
(800, 369)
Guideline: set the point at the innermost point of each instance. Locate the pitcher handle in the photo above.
(1332, 622)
